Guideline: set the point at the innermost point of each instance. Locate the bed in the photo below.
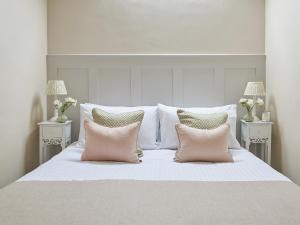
(159, 190)
(66, 190)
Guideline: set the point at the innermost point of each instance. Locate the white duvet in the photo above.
(156, 165)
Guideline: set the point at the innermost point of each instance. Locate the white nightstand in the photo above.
(257, 132)
(53, 133)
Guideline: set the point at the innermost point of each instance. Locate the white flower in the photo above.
(250, 102)
(243, 100)
(260, 102)
(71, 100)
(56, 103)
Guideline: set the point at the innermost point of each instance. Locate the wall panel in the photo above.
(179, 80)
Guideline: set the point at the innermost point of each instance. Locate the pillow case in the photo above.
(149, 126)
(168, 118)
(110, 144)
(202, 121)
(111, 120)
(202, 144)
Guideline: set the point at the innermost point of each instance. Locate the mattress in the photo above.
(156, 165)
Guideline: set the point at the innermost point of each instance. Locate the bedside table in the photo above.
(53, 133)
(257, 133)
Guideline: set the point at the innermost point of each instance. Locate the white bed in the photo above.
(157, 165)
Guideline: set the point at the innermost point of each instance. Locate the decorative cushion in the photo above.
(110, 144)
(202, 121)
(202, 144)
(168, 118)
(149, 126)
(117, 120)
(106, 119)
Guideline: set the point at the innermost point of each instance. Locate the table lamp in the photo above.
(55, 88)
(255, 89)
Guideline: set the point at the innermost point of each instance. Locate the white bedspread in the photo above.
(156, 165)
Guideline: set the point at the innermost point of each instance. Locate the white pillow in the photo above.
(168, 118)
(149, 127)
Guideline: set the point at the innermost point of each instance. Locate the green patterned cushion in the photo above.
(202, 121)
(107, 119)
(116, 120)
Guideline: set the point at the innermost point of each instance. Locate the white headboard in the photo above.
(130, 80)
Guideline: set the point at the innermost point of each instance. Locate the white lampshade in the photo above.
(56, 87)
(255, 89)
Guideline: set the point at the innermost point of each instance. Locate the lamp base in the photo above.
(55, 116)
(255, 117)
(54, 119)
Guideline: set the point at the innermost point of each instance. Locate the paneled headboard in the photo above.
(130, 80)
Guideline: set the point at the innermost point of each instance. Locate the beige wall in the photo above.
(283, 79)
(149, 26)
(22, 84)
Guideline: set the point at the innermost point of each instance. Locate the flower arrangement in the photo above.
(249, 104)
(62, 108)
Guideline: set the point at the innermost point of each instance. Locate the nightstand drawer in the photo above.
(259, 131)
(52, 132)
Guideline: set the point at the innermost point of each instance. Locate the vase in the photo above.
(248, 117)
(62, 118)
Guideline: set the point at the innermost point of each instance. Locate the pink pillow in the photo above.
(203, 145)
(110, 144)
